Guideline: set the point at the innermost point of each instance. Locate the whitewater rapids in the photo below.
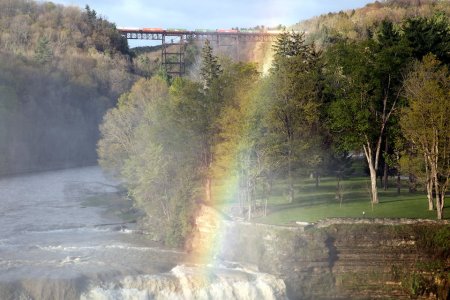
(53, 245)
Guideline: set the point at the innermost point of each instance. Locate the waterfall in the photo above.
(193, 282)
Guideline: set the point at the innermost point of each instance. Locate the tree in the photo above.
(429, 35)
(63, 85)
(212, 102)
(43, 53)
(91, 14)
(367, 84)
(210, 69)
(425, 122)
(148, 142)
(236, 155)
(295, 100)
(120, 124)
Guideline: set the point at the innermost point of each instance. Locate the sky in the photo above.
(211, 14)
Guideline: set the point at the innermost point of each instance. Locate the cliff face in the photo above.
(342, 259)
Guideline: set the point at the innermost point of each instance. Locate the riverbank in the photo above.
(349, 261)
(47, 168)
(56, 244)
(334, 258)
(341, 258)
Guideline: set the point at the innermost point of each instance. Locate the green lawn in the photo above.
(312, 204)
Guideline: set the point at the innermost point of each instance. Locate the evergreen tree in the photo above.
(43, 53)
(429, 35)
(290, 44)
(212, 103)
(91, 14)
(210, 70)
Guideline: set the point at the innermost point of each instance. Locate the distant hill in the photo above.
(352, 24)
(358, 23)
(61, 68)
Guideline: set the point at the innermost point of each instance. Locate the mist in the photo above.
(287, 169)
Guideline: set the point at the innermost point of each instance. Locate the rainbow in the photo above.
(211, 224)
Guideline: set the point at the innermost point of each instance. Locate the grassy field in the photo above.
(312, 204)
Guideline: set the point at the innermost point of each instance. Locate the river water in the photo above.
(54, 246)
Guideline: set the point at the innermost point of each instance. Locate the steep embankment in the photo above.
(60, 70)
(340, 259)
(148, 59)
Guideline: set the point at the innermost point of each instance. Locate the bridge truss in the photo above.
(174, 42)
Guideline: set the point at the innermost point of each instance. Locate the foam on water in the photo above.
(74, 260)
(105, 247)
(53, 246)
(190, 282)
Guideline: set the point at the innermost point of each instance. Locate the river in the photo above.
(53, 245)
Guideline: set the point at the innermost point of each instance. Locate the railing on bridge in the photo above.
(173, 61)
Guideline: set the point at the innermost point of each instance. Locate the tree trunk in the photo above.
(429, 185)
(270, 182)
(373, 183)
(386, 167)
(412, 183)
(385, 177)
(207, 161)
(399, 183)
(290, 180)
(241, 194)
(373, 175)
(339, 191)
(435, 179)
(164, 205)
(265, 207)
(433, 157)
(208, 190)
(439, 197)
(316, 177)
(249, 199)
(430, 193)
(440, 206)
(264, 195)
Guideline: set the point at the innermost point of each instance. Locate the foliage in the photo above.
(429, 35)
(358, 24)
(170, 139)
(210, 69)
(293, 91)
(59, 74)
(425, 122)
(236, 154)
(365, 79)
(43, 53)
(145, 142)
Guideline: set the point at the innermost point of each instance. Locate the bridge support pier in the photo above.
(173, 54)
(174, 42)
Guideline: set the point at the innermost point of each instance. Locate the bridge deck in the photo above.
(173, 60)
(159, 34)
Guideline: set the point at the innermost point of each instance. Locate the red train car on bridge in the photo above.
(158, 30)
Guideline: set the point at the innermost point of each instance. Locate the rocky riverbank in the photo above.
(340, 258)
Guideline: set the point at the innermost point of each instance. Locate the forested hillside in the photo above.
(61, 68)
(360, 23)
(238, 132)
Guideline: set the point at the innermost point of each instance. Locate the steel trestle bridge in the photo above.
(172, 59)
